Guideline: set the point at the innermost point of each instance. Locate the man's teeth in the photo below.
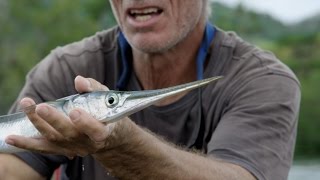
(142, 18)
(144, 14)
(144, 11)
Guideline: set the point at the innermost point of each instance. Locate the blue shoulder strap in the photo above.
(203, 51)
(125, 50)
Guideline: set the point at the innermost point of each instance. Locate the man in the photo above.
(243, 126)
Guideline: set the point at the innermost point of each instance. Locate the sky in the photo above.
(288, 11)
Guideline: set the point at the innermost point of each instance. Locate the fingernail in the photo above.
(9, 141)
(25, 104)
(74, 115)
(42, 111)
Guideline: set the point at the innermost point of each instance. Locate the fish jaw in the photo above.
(134, 101)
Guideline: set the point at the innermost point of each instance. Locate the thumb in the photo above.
(83, 85)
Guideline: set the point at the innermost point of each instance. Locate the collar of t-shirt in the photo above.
(126, 55)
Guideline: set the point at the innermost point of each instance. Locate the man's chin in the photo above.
(152, 47)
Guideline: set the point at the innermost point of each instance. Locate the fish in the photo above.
(105, 106)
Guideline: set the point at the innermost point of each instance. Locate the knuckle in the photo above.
(72, 136)
(100, 145)
(53, 121)
(99, 136)
(34, 118)
(59, 128)
(51, 137)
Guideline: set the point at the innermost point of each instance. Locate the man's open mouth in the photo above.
(142, 15)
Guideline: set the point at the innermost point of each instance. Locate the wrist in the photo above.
(137, 152)
(122, 135)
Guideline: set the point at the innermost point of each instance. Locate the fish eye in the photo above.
(112, 100)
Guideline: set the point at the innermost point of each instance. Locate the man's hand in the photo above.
(77, 134)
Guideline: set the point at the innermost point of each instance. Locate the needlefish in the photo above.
(105, 106)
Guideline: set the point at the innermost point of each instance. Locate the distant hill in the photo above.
(246, 22)
(310, 25)
(258, 26)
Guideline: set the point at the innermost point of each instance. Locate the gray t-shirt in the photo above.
(248, 118)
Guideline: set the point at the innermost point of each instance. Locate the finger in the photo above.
(40, 145)
(97, 86)
(27, 105)
(85, 123)
(57, 120)
(42, 126)
(88, 85)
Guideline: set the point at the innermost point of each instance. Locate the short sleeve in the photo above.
(258, 128)
(43, 164)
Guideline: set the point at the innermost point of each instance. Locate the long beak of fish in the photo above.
(134, 101)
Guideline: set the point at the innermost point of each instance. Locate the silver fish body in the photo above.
(105, 106)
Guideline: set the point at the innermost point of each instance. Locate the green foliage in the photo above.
(248, 24)
(301, 53)
(30, 29)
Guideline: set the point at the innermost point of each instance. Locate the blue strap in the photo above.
(203, 51)
(126, 55)
(126, 67)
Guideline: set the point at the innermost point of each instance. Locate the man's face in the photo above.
(157, 25)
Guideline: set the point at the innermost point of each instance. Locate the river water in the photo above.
(305, 170)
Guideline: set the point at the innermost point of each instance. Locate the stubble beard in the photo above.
(166, 45)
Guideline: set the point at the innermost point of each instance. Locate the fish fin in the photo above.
(66, 98)
(60, 102)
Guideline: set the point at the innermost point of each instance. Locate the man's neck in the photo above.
(176, 66)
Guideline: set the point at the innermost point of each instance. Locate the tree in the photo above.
(29, 30)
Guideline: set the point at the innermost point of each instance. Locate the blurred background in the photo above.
(290, 29)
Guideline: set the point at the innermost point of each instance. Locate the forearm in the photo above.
(13, 168)
(147, 157)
